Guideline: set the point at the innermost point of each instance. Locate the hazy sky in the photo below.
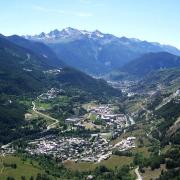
(152, 20)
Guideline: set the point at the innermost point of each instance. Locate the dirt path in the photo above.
(46, 116)
(139, 177)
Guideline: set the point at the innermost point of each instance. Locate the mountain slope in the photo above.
(22, 71)
(151, 62)
(146, 64)
(40, 49)
(27, 58)
(97, 87)
(95, 52)
(167, 80)
(25, 75)
(169, 129)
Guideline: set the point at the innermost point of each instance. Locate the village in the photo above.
(95, 148)
(104, 119)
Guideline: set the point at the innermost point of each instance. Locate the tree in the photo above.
(10, 178)
(23, 178)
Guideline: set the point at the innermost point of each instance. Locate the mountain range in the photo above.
(53, 72)
(95, 52)
(30, 67)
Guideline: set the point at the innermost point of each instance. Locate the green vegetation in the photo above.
(24, 75)
(113, 162)
(99, 121)
(147, 64)
(26, 166)
(22, 79)
(12, 124)
(169, 112)
(16, 167)
(169, 79)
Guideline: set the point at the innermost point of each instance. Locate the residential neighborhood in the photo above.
(93, 149)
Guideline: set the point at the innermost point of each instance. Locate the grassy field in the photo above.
(143, 150)
(87, 106)
(34, 116)
(26, 102)
(111, 163)
(149, 174)
(89, 126)
(92, 117)
(137, 133)
(24, 168)
(43, 105)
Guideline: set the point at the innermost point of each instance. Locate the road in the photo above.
(56, 121)
(46, 116)
(139, 177)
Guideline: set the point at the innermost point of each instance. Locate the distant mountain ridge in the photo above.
(96, 52)
(146, 64)
(151, 62)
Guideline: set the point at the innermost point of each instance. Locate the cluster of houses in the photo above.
(7, 149)
(94, 149)
(113, 121)
(124, 86)
(75, 122)
(126, 144)
(50, 94)
(90, 149)
(53, 71)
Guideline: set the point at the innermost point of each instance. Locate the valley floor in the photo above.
(102, 135)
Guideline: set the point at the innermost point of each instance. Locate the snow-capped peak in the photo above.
(54, 33)
(98, 33)
(93, 34)
(42, 35)
(69, 34)
(70, 31)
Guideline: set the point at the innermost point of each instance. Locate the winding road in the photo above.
(46, 116)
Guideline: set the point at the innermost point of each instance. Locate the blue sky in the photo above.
(152, 20)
